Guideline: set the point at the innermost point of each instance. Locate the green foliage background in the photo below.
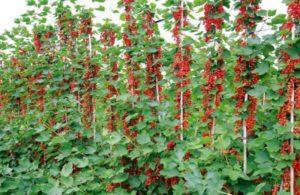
(68, 158)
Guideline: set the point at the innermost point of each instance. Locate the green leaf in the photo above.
(232, 174)
(143, 138)
(169, 173)
(279, 19)
(194, 180)
(246, 51)
(215, 183)
(120, 178)
(114, 138)
(101, 8)
(43, 2)
(283, 193)
(258, 189)
(67, 181)
(198, 2)
(120, 150)
(297, 144)
(134, 182)
(55, 191)
(226, 53)
(30, 2)
(83, 177)
(254, 41)
(272, 12)
(262, 13)
(81, 163)
(258, 91)
(43, 137)
(261, 157)
(273, 145)
(262, 69)
(179, 153)
(67, 169)
(152, 50)
(293, 52)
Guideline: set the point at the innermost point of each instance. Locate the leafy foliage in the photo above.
(97, 108)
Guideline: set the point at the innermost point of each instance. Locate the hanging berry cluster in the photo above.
(154, 89)
(292, 96)
(108, 38)
(213, 18)
(130, 36)
(36, 79)
(65, 25)
(180, 17)
(181, 65)
(128, 39)
(67, 35)
(91, 72)
(153, 63)
(246, 23)
(292, 88)
(214, 70)
(37, 82)
(19, 66)
(153, 74)
(37, 42)
(294, 10)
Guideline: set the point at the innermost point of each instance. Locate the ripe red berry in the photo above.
(171, 145)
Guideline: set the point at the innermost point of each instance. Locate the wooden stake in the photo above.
(157, 90)
(181, 92)
(264, 99)
(245, 142)
(292, 171)
(93, 100)
(157, 95)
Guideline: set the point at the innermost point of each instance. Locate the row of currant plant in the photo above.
(92, 107)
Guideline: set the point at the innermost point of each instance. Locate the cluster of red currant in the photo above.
(153, 66)
(294, 10)
(133, 81)
(213, 19)
(214, 70)
(108, 37)
(246, 21)
(181, 65)
(246, 24)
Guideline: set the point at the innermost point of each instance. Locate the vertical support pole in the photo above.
(157, 95)
(264, 99)
(245, 142)
(181, 86)
(292, 171)
(93, 100)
